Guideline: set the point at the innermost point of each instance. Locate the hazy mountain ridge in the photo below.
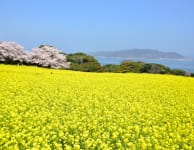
(141, 53)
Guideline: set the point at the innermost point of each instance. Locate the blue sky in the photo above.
(96, 25)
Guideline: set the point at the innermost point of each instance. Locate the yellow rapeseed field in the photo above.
(57, 109)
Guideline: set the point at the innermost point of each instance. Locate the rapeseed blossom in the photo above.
(75, 110)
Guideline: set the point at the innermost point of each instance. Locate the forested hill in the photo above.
(140, 53)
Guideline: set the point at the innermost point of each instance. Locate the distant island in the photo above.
(140, 53)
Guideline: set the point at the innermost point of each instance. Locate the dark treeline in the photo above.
(84, 62)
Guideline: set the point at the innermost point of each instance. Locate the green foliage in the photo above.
(83, 62)
(155, 68)
(141, 67)
(137, 67)
(110, 68)
(178, 72)
(10, 61)
(41, 46)
(63, 53)
(129, 66)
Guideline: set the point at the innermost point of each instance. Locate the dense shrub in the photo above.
(111, 68)
(128, 66)
(83, 62)
(155, 68)
(178, 72)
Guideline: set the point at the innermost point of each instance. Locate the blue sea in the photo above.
(185, 64)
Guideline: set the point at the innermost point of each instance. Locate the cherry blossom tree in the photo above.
(11, 52)
(47, 56)
(44, 56)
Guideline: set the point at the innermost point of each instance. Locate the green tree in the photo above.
(129, 66)
(110, 68)
(155, 68)
(178, 72)
(83, 62)
(192, 74)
